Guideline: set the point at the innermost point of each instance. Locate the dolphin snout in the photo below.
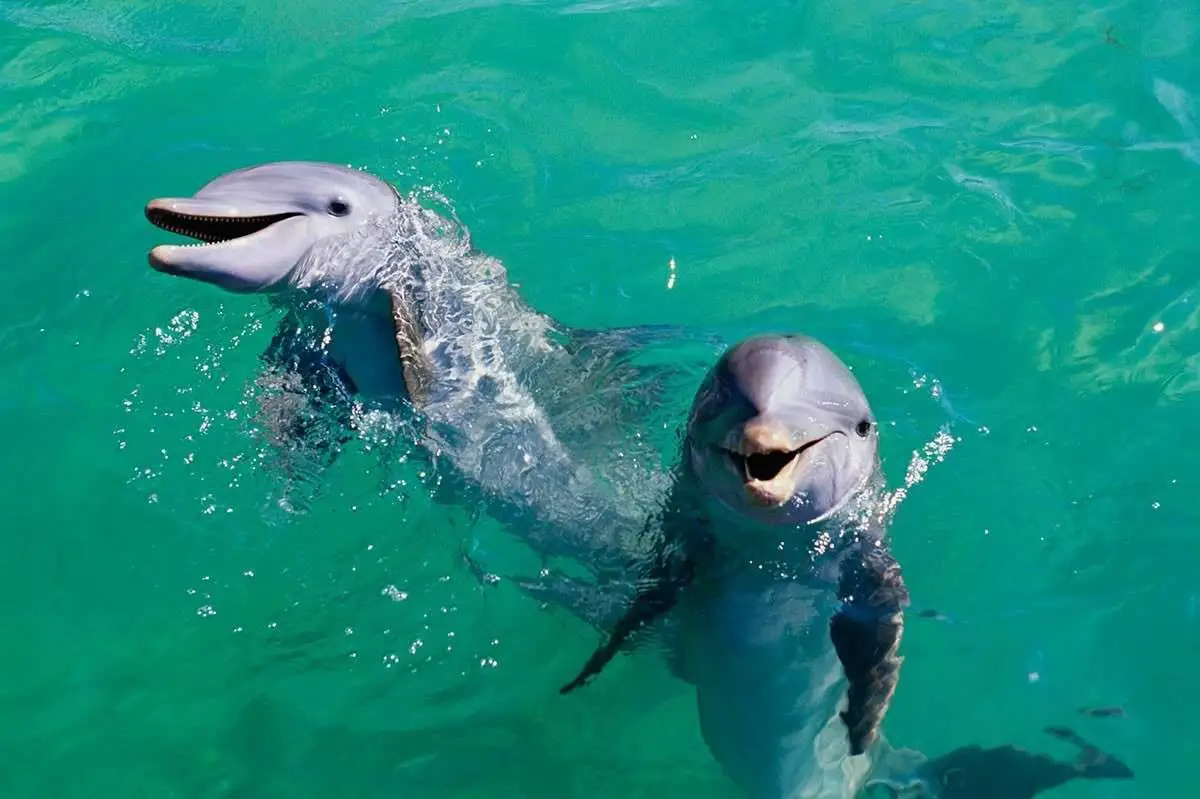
(763, 436)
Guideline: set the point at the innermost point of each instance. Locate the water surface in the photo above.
(988, 209)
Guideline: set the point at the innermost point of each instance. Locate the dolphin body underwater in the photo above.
(388, 303)
(772, 588)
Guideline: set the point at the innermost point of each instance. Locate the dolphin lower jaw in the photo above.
(768, 492)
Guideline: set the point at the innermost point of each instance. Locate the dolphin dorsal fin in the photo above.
(414, 362)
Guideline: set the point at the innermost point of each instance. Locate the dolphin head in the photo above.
(781, 432)
(259, 223)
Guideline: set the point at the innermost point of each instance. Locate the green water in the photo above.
(989, 209)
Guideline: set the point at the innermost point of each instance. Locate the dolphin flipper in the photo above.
(303, 408)
(670, 571)
(866, 633)
(601, 605)
(414, 362)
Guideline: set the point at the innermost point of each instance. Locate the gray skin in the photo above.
(772, 586)
(387, 304)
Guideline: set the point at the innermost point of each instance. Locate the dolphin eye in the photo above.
(339, 207)
(863, 428)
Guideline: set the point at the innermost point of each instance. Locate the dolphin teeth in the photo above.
(212, 229)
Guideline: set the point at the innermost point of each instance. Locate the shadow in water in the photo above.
(1006, 772)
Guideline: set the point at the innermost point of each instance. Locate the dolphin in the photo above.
(772, 586)
(389, 306)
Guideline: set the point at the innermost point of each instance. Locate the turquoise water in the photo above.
(990, 210)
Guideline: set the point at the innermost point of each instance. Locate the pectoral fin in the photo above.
(602, 605)
(866, 633)
(414, 362)
(656, 596)
(303, 409)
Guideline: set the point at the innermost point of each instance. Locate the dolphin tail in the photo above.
(899, 774)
